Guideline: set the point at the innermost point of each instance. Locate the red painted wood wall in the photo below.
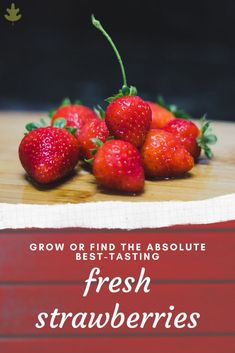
(31, 282)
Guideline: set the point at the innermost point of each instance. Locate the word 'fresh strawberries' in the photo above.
(48, 153)
(117, 165)
(160, 116)
(163, 156)
(94, 129)
(129, 118)
(76, 115)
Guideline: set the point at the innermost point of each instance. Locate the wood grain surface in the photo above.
(206, 180)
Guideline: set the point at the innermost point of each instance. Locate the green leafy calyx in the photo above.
(125, 91)
(51, 113)
(97, 142)
(71, 129)
(35, 125)
(89, 161)
(77, 102)
(207, 137)
(176, 111)
(65, 101)
(100, 112)
(61, 123)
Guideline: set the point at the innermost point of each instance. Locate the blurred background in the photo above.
(184, 50)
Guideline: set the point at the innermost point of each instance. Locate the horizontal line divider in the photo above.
(114, 335)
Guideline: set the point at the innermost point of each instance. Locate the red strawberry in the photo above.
(129, 118)
(163, 156)
(186, 132)
(76, 115)
(48, 153)
(94, 129)
(191, 137)
(117, 165)
(160, 116)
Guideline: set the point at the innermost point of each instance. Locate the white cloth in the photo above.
(118, 215)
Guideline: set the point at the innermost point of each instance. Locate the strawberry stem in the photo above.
(99, 26)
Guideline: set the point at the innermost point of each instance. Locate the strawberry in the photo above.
(160, 116)
(186, 132)
(163, 156)
(117, 165)
(127, 116)
(191, 137)
(48, 153)
(76, 115)
(92, 130)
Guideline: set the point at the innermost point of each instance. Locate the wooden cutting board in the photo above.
(206, 180)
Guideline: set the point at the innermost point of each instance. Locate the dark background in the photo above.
(181, 49)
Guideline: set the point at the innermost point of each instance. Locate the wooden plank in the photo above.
(120, 344)
(20, 306)
(18, 263)
(206, 179)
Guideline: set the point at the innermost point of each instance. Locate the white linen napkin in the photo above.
(118, 215)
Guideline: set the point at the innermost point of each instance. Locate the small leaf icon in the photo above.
(13, 14)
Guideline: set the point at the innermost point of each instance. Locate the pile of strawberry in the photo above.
(130, 140)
